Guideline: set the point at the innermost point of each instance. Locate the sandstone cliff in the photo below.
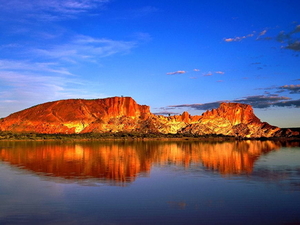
(78, 116)
(123, 114)
(234, 119)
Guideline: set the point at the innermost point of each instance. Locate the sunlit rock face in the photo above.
(78, 116)
(233, 119)
(123, 114)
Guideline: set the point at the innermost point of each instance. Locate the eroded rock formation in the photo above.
(123, 114)
(78, 116)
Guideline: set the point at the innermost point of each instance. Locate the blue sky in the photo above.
(174, 56)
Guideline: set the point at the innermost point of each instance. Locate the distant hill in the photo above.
(123, 114)
(297, 129)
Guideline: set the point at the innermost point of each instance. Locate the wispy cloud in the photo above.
(296, 30)
(28, 82)
(49, 10)
(291, 103)
(294, 46)
(208, 74)
(262, 101)
(176, 72)
(85, 48)
(19, 65)
(262, 33)
(256, 101)
(289, 39)
(238, 38)
(205, 106)
(220, 72)
(292, 89)
(166, 111)
(30, 87)
(23, 89)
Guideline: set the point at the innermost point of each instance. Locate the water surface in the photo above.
(240, 182)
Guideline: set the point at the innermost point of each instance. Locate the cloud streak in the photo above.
(205, 106)
(294, 46)
(291, 41)
(262, 33)
(288, 39)
(292, 89)
(256, 101)
(262, 101)
(238, 38)
(22, 89)
(49, 10)
(19, 65)
(176, 72)
(85, 48)
(208, 74)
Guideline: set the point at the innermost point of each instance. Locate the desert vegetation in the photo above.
(4, 135)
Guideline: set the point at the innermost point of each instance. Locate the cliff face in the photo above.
(123, 114)
(233, 119)
(78, 116)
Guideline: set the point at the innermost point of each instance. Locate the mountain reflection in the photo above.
(123, 161)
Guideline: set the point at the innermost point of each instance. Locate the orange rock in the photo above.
(73, 115)
(123, 114)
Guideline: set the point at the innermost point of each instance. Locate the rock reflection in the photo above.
(235, 158)
(122, 162)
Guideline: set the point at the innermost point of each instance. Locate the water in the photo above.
(244, 182)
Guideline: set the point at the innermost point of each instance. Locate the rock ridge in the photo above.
(123, 114)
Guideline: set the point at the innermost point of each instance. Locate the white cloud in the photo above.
(49, 10)
(238, 38)
(208, 74)
(17, 65)
(176, 72)
(22, 89)
(86, 48)
(262, 33)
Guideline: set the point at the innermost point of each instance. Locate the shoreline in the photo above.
(9, 136)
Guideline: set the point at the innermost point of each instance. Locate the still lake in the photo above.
(123, 182)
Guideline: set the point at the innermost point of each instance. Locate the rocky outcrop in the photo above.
(123, 114)
(233, 119)
(78, 116)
